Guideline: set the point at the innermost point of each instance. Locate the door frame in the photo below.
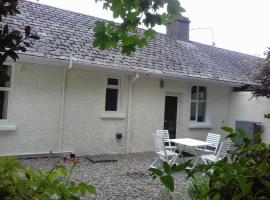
(178, 113)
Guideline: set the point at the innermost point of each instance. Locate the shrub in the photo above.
(199, 188)
(21, 183)
(244, 175)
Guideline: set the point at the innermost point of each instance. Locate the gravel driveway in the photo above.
(125, 179)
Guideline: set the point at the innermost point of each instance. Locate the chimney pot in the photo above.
(179, 29)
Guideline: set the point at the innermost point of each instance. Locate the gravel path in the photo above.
(125, 179)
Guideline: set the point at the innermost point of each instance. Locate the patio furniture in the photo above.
(193, 144)
(163, 154)
(166, 139)
(221, 153)
(213, 139)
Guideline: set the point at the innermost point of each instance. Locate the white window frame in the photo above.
(118, 87)
(197, 101)
(8, 89)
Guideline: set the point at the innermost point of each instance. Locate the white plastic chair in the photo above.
(221, 153)
(163, 154)
(166, 139)
(213, 139)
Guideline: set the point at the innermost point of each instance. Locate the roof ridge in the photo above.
(232, 51)
(63, 9)
(158, 33)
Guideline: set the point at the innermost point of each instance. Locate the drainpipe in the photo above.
(63, 104)
(130, 110)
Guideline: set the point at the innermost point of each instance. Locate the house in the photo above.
(65, 95)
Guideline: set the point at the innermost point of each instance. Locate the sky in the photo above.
(238, 25)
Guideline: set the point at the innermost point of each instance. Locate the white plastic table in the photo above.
(189, 142)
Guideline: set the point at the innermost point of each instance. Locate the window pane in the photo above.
(111, 99)
(201, 111)
(194, 93)
(113, 81)
(193, 111)
(5, 73)
(3, 104)
(202, 93)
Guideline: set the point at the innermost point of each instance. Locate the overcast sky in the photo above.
(239, 25)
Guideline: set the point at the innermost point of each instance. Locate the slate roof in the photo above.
(64, 32)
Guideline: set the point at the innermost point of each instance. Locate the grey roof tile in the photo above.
(64, 32)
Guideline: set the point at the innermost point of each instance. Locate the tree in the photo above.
(133, 13)
(13, 41)
(263, 80)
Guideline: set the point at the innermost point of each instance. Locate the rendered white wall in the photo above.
(148, 110)
(85, 132)
(36, 110)
(243, 107)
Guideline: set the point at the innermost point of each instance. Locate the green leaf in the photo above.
(173, 167)
(167, 167)
(174, 10)
(27, 176)
(128, 49)
(227, 129)
(245, 185)
(150, 34)
(91, 189)
(234, 137)
(155, 171)
(242, 133)
(183, 166)
(264, 167)
(12, 54)
(27, 31)
(267, 116)
(100, 27)
(126, 34)
(168, 182)
(5, 30)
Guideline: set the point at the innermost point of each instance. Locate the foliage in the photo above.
(267, 116)
(166, 173)
(21, 183)
(263, 79)
(12, 41)
(133, 13)
(244, 175)
(199, 188)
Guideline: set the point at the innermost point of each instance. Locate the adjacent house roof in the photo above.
(64, 33)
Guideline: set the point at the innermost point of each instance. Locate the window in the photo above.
(112, 93)
(5, 75)
(198, 103)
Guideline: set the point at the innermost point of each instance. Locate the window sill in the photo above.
(203, 125)
(113, 115)
(8, 127)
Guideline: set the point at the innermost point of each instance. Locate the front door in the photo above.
(170, 115)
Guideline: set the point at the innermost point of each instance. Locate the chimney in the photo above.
(179, 28)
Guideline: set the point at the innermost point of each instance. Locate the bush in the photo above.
(21, 183)
(199, 189)
(244, 175)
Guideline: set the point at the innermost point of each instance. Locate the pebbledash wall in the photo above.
(36, 110)
(245, 107)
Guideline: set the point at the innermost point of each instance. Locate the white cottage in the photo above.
(65, 95)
